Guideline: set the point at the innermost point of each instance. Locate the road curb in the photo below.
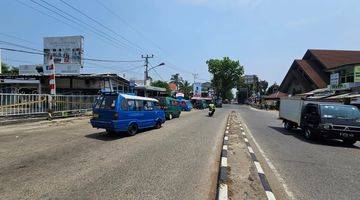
(263, 179)
(222, 189)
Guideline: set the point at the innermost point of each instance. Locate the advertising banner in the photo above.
(30, 69)
(334, 79)
(357, 73)
(47, 70)
(67, 53)
(197, 89)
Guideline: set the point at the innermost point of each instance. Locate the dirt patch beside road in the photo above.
(244, 182)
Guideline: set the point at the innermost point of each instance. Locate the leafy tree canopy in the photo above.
(162, 84)
(8, 69)
(226, 75)
(186, 88)
(272, 89)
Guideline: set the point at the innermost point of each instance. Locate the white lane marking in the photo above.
(223, 192)
(251, 150)
(258, 167)
(225, 147)
(246, 140)
(226, 138)
(270, 195)
(241, 128)
(272, 167)
(226, 132)
(224, 162)
(243, 133)
(227, 127)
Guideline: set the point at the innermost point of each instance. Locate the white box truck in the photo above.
(321, 119)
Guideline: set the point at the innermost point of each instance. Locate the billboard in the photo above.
(47, 70)
(30, 69)
(197, 89)
(67, 53)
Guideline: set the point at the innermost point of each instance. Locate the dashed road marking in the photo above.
(264, 182)
(224, 162)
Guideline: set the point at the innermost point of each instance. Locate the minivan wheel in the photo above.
(170, 116)
(349, 142)
(158, 124)
(132, 130)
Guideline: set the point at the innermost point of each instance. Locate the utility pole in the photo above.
(195, 76)
(146, 71)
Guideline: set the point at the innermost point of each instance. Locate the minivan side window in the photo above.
(124, 105)
(139, 105)
(148, 105)
(131, 105)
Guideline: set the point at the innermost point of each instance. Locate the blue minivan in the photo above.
(117, 112)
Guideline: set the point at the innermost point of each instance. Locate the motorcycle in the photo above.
(211, 112)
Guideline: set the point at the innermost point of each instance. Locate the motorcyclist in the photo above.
(211, 108)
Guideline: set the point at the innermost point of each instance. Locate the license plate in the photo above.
(347, 134)
(96, 115)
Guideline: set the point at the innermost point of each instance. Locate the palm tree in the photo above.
(177, 79)
(185, 87)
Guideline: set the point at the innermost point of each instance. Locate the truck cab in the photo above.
(331, 120)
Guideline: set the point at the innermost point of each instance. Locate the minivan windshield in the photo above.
(340, 111)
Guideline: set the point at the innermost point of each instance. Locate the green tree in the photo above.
(263, 85)
(226, 75)
(185, 87)
(162, 84)
(272, 89)
(177, 79)
(8, 69)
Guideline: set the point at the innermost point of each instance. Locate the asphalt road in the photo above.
(71, 160)
(311, 170)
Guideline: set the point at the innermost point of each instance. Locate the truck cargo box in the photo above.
(291, 109)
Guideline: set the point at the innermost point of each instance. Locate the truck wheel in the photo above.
(287, 125)
(349, 142)
(170, 116)
(309, 135)
(132, 130)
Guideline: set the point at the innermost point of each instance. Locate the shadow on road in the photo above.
(297, 133)
(104, 136)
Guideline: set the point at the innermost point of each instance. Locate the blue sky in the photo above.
(265, 36)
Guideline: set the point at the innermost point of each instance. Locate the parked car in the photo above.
(116, 112)
(218, 103)
(321, 119)
(200, 104)
(185, 105)
(170, 106)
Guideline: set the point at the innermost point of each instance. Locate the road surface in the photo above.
(311, 170)
(71, 160)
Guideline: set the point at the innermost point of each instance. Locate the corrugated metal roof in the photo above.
(335, 58)
(311, 73)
